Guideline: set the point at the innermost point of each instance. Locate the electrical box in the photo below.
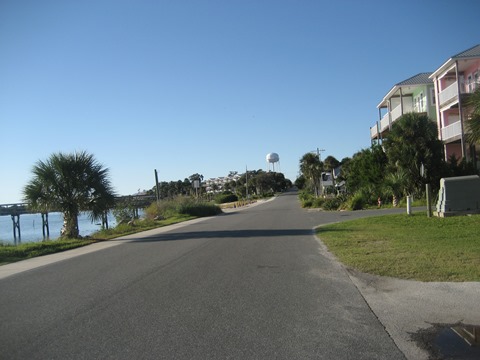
(459, 195)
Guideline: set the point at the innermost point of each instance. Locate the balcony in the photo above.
(374, 132)
(384, 122)
(397, 112)
(394, 114)
(452, 131)
(449, 94)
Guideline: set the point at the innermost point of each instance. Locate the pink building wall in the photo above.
(471, 70)
(450, 116)
(453, 149)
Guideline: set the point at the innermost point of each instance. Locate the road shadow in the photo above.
(220, 234)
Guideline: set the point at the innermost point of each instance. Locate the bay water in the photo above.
(31, 226)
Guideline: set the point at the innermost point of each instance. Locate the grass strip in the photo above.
(138, 226)
(11, 253)
(409, 247)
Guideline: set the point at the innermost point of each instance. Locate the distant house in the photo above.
(415, 94)
(454, 81)
(332, 182)
(217, 185)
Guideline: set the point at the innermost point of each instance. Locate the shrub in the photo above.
(333, 203)
(225, 198)
(307, 203)
(357, 201)
(163, 209)
(318, 202)
(305, 195)
(123, 213)
(306, 199)
(199, 209)
(181, 205)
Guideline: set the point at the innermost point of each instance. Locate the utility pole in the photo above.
(318, 153)
(157, 189)
(246, 181)
(320, 159)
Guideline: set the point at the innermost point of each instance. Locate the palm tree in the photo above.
(311, 167)
(413, 141)
(395, 184)
(473, 123)
(70, 183)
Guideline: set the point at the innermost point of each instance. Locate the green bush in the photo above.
(163, 209)
(357, 201)
(318, 202)
(181, 205)
(333, 203)
(123, 213)
(306, 199)
(305, 195)
(225, 198)
(307, 203)
(199, 209)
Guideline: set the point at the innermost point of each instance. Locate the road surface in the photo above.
(250, 284)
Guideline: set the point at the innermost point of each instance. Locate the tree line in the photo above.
(402, 164)
(411, 157)
(253, 183)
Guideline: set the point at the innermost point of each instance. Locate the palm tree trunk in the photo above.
(70, 225)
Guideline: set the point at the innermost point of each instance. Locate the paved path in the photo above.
(254, 283)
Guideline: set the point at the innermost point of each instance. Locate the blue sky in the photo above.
(207, 87)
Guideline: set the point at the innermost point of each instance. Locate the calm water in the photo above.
(31, 226)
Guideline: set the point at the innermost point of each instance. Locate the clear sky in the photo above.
(206, 86)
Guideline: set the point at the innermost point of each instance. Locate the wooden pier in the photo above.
(15, 210)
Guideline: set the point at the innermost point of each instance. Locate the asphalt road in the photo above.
(250, 284)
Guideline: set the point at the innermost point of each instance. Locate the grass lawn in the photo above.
(409, 247)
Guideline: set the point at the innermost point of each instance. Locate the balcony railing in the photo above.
(397, 112)
(394, 114)
(448, 94)
(452, 130)
(384, 122)
(374, 132)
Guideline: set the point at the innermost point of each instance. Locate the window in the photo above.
(418, 103)
(470, 85)
(433, 98)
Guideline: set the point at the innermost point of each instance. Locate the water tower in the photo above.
(272, 158)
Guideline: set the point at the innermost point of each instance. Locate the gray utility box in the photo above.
(459, 195)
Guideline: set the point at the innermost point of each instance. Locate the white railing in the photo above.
(449, 93)
(384, 122)
(451, 131)
(374, 131)
(397, 112)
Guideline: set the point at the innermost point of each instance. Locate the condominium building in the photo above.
(454, 81)
(415, 94)
(442, 96)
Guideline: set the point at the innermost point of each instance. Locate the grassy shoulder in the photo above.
(138, 226)
(409, 247)
(11, 253)
(156, 215)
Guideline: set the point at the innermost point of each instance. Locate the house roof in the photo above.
(472, 53)
(414, 81)
(419, 79)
